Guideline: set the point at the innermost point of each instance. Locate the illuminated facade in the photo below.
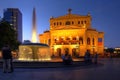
(73, 34)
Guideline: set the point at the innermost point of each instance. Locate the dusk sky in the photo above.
(105, 15)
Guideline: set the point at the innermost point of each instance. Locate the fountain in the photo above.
(32, 51)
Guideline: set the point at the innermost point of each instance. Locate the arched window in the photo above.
(57, 23)
(81, 40)
(81, 22)
(67, 23)
(72, 22)
(88, 41)
(67, 38)
(59, 52)
(54, 24)
(60, 23)
(85, 22)
(74, 52)
(74, 38)
(78, 22)
(55, 40)
(66, 50)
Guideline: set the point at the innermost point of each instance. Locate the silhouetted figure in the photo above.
(67, 59)
(87, 57)
(7, 59)
(95, 58)
(70, 59)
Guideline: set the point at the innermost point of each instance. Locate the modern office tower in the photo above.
(14, 17)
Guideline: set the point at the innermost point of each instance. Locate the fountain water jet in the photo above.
(34, 51)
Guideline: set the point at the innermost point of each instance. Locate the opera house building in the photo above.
(74, 34)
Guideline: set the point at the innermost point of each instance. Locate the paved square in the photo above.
(108, 70)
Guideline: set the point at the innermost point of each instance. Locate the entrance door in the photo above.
(59, 52)
(66, 50)
(74, 52)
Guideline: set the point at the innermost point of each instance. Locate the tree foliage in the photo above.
(110, 50)
(8, 35)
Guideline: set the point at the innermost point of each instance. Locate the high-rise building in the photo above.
(73, 34)
(14, 17)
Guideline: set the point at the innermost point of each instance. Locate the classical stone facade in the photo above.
(74, 34)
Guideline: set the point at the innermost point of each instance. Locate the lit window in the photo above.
(15, 28)
(60, 23)
(72, 22)
(55, 40)
(74, 38)
(14, 20)
(85, 22)
(67, 23)
(88, 41)
(54, 24)
(14, 17)
(81, 22)
(81, 40)
(11, 24)
(67, 38)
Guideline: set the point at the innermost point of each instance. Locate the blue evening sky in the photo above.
(105, 15)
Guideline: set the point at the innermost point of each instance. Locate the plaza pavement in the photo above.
(107, 69)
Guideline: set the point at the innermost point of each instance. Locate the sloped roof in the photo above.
(70, 16)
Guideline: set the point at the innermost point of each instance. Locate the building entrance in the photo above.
(59, 52)
(74, 52)
(66, 50)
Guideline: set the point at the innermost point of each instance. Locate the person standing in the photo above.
(87, 57)
(7, 59)
(95, 58)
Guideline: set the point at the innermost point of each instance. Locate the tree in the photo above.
(110, 50)
(8, 35)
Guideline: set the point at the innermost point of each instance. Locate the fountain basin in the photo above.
(34, 52)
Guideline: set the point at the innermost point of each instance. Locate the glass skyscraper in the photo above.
(14, 17)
